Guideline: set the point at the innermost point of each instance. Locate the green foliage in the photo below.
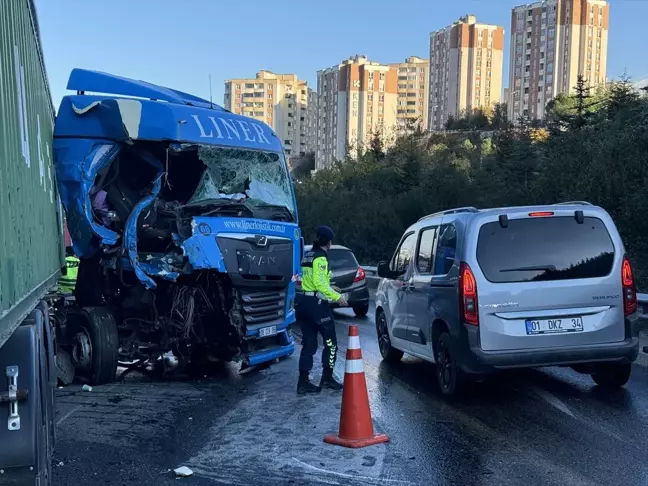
(603, 158)
(483, 119)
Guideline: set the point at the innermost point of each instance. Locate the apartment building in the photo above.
(310, 123)
(356, 98)
(552, 42)
(282, 101)
(466, 62)
(413, 92)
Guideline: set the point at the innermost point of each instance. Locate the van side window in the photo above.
(425, 254)
(403, 255)
(446, 249)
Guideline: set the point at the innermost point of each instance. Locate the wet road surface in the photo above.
(532, 427)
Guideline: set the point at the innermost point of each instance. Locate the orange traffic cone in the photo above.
(356, 428)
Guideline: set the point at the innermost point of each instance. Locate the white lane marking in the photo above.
(79, 407)
(354, 366)
(350, 476)
(553, 400)
(354, 342)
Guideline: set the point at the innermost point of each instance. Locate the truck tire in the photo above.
(96, 344)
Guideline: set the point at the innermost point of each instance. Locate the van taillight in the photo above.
(360, 275)
(468, 295)
(629, 289)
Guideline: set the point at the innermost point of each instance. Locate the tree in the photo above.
(376, 145)
(582, 95)
(499, 120)
(622, 98)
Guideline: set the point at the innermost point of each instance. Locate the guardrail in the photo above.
(373, 280)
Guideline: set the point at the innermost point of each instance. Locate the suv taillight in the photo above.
(468, 295)
(360, 275)
(629, 289)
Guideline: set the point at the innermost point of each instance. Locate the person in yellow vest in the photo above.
(314, 313)
(67, 282)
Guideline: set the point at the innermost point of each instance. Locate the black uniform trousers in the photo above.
(315, 317)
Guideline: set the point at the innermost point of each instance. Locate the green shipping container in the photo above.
(31, 248)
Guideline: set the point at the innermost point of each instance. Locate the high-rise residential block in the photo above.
(280, 100)
(466, 61)
(356, 99)
(413, 92)
(552, 43)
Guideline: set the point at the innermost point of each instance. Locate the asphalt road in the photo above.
(540, 427)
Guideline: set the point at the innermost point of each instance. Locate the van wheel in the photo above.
(388, 353)
(96, 344)
(450, 377)
(612, 375)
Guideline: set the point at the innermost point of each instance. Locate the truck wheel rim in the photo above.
(82, 351)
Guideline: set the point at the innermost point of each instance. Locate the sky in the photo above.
(181, 43)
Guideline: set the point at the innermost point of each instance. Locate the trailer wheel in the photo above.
(96, 344)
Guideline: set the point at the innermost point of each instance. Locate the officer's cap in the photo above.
(325, 233)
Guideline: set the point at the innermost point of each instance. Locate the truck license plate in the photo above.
(267, 331)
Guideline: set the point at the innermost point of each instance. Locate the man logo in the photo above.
(261, 240)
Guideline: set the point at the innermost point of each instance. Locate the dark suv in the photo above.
(349, 276)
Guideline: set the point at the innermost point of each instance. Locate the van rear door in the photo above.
(545, 280)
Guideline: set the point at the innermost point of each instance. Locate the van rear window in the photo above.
(542, 249)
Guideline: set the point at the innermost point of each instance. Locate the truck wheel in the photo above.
(96, 344)
(612, 375)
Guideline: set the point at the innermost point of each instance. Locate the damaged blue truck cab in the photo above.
(184, 219)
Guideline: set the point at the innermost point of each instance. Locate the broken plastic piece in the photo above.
(183, 472)
(87, 388)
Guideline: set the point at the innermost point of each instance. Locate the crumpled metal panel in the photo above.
(31, 225)
(77, 163)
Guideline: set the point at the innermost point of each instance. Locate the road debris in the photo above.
(86, 388)
(183, 472)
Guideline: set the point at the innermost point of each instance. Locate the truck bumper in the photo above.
(286, 347)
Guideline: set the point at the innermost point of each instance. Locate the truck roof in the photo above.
(126, 109)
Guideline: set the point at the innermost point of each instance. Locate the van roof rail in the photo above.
(574, 203)
(467, 209)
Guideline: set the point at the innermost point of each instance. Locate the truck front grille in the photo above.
(263, 306)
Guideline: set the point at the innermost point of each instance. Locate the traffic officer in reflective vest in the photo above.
(67, 282)
(315, 316)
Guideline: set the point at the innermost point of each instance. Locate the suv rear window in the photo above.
(542, 249)
(339, 259)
